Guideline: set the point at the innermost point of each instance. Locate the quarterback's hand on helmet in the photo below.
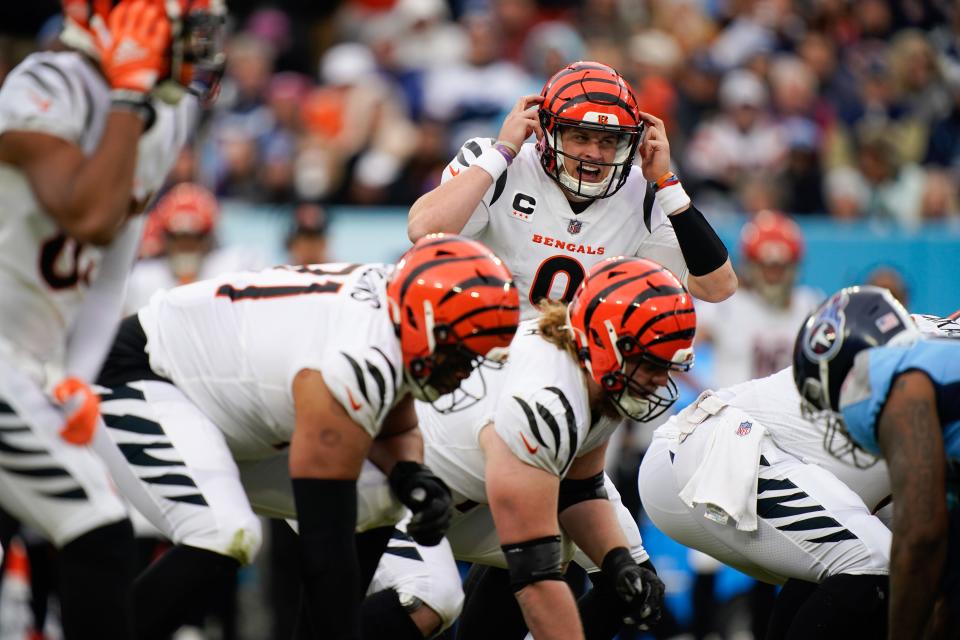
(638, 587)
(134, 45)
(427, 496)
(522, 121)
(82, 407)
(655, 148)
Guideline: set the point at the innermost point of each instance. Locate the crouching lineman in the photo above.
(743, 475)
(324, 360)
(528, 460)
(84, 144)
(885, 390)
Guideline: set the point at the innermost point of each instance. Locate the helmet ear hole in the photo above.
(611, 382)
(411, 318)
(628, 345)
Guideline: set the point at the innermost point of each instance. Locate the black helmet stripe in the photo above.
(478, 281)
(479, 310)
(616, 264)
(602, 294)
(426, 266)
(683, 334)
(596, 98)
(662, 316)
(646, 295)
(579, 68)
(574, 83)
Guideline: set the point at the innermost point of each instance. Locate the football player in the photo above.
(555, 208)
(186, 219)
(753, 331)
(321, 360)
(885, 391)
(84, 143)
(528, 460)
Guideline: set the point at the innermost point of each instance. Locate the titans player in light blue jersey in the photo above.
(861, 365)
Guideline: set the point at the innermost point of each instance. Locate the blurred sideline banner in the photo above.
(838, 254)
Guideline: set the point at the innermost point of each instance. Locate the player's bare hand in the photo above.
(655, 148)
(134, 45)
(522, 121)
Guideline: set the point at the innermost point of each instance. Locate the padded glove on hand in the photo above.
(637, 586)
(427, 497)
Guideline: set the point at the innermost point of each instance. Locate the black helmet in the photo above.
(851, 320)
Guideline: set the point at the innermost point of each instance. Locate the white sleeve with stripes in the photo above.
(468, 153)
(540, 427)
(365, 382)
(40, 96)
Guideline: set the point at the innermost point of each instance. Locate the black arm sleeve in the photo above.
(327, 515)
(702, 248)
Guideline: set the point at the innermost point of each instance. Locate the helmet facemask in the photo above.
(553, 156)
(639, 402)
(197, 58)
(449, 363)
(836, 440)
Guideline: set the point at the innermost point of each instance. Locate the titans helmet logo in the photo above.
(824, 332)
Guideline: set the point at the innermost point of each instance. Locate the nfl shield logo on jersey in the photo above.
(744, 428)
(574, 227)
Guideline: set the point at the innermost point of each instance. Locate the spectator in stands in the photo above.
(943, 143)
(895, 188)
(742, 140)
(473, 96)
(845, 193)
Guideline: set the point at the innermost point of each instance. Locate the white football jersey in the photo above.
(538, 403)
(526, 219)
(752, 339)
(937, 327)
(234, 344)
(154, 274)
(773, 401)
(44, 275)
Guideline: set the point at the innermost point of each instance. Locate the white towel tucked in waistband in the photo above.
(726, 477)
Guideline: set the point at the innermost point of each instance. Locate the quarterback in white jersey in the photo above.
(323, 360)
(84, 143)
(554, 209)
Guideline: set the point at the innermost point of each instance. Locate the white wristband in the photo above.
(491, 161)
(672, 199)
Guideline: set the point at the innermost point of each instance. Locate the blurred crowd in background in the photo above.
(845, 108)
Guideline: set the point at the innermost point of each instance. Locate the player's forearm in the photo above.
(716, 286)
(593, 525)
(915, 572)
(550, 611)
(447, 208)
(96, 201)
(386, 452)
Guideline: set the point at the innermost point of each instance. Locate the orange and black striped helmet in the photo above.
(454, 306)
(627, 313)
(590, 96)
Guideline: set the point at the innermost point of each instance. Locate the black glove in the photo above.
(638, 587)
(427, 497)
